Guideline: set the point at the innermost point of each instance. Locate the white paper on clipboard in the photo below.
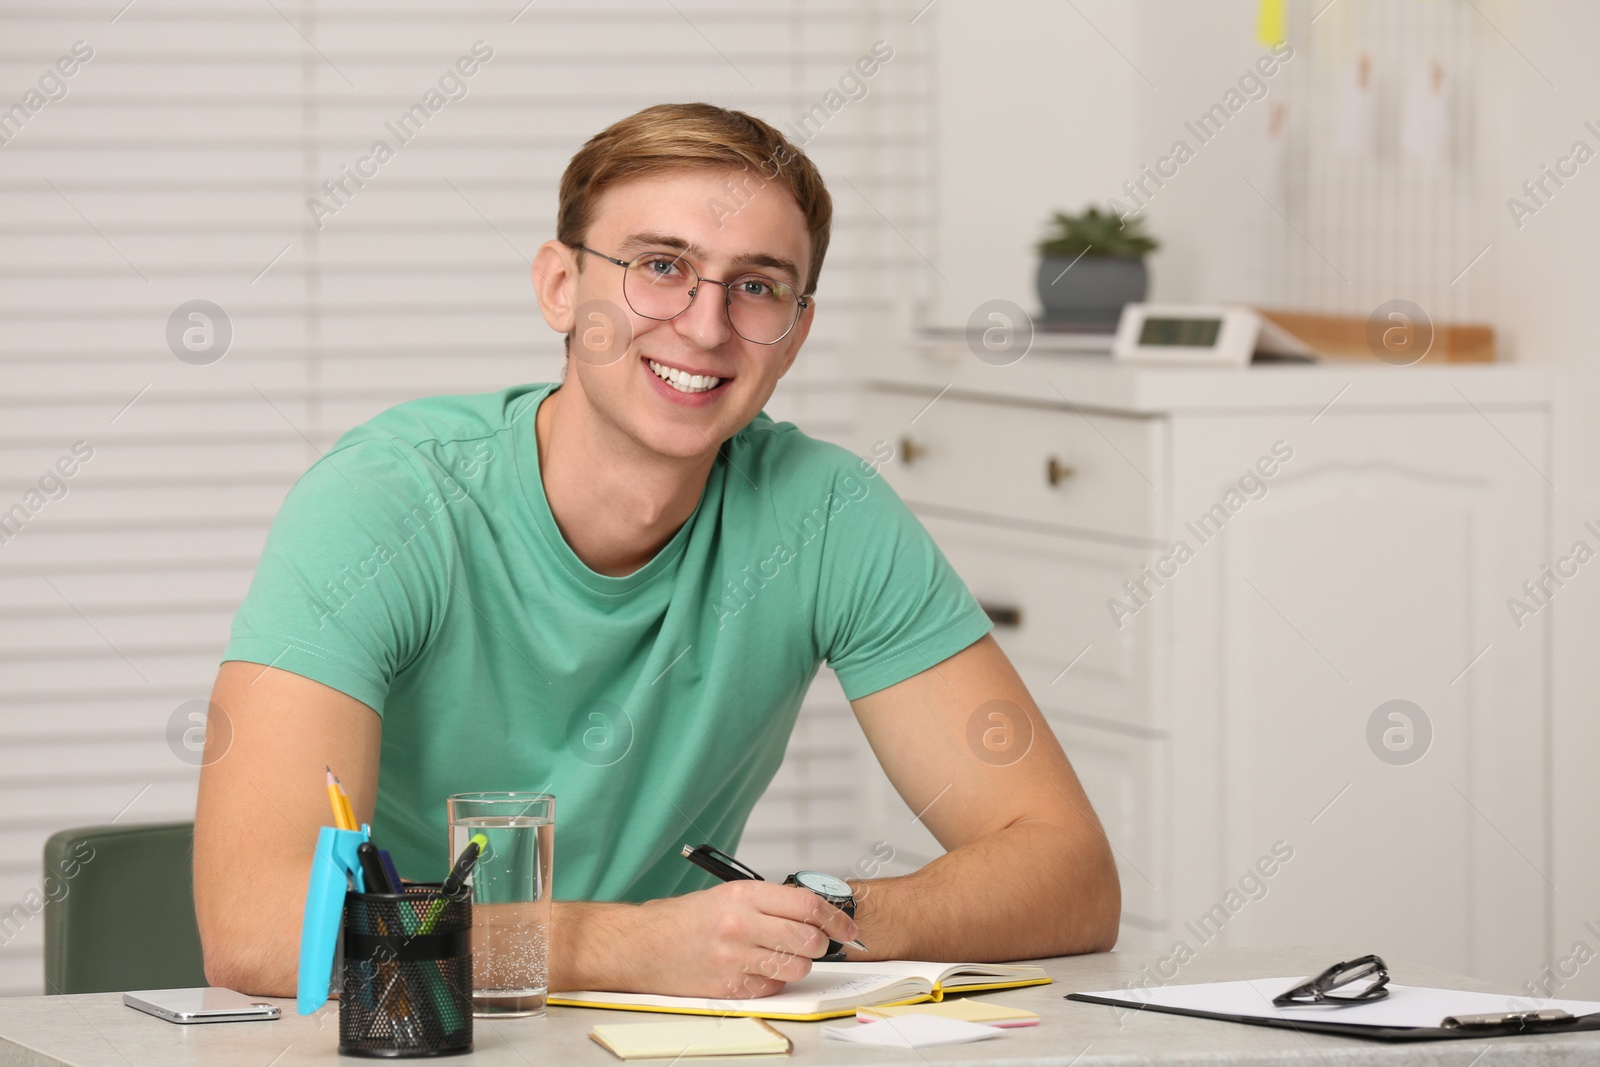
(1404, 1006)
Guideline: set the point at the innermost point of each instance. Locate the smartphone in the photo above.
(206, 1005)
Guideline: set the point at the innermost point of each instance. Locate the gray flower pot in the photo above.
(1093, 291)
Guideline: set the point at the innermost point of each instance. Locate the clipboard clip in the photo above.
(1524, 1021)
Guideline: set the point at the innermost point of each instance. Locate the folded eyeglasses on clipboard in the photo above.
(1354, 998)
(1366, 978)
(1357, 981)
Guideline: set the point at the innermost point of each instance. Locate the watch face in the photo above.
(825, 884)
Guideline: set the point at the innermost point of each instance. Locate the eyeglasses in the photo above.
(662, 285)
(1359, 980)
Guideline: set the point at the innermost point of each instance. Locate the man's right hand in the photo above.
(736, 940)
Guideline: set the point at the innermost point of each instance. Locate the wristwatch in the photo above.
(835, 891)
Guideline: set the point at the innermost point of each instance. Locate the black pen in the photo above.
(464, 863)
(724, 866)
(454, 880)
(719, 863)
(372, 872)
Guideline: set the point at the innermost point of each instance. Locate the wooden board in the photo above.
(1345, 337)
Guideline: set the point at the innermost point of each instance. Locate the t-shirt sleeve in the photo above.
(890, 604)
(355, 572)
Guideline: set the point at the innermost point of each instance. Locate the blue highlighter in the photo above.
(334, 870)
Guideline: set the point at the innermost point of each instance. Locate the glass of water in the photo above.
(511, 895)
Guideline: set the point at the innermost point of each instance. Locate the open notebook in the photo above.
(830, 990)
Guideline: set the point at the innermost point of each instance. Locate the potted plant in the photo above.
(1090, 265)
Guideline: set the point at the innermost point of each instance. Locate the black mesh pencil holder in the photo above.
(406, 986)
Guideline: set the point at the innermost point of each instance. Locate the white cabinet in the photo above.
(1216, 582)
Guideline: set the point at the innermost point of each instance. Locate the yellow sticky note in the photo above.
(692, 1037)
(1272, 23)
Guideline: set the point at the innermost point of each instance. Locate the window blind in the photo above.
(178, 171)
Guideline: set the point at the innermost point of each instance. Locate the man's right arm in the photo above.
(263, 798)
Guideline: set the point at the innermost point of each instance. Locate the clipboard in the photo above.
(1506, 1022)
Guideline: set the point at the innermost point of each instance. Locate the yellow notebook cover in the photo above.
(830, 991)
(691, 1037)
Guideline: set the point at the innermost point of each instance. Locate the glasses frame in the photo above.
(802, 302)
(1318, 990)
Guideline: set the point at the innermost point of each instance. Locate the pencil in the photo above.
(343, 817)
(344, 799)
(333, 799)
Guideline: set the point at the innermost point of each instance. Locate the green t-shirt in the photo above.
(417, 568)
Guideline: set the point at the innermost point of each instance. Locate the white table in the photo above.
(95, 1029)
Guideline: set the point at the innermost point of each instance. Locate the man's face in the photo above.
(691, 213)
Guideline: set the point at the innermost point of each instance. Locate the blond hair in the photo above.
(670, 137)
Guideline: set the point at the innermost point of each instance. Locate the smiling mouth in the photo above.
(683, 381)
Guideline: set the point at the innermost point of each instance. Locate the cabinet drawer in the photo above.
(1095, 472)
(1048, 595)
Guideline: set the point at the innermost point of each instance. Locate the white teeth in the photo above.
(682, 381)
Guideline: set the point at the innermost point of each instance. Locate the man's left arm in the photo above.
(1028, 871)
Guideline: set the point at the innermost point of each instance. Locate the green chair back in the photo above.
(123, 913)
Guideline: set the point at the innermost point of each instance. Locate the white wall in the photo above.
(1540, 287)
(1035, 109)
(1208, 220)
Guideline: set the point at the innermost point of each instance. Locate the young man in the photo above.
(618, 590)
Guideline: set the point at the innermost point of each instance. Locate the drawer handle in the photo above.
(910, 451)
(1056, 472)
(1003, 615)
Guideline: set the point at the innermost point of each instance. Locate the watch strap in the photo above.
(835, 953)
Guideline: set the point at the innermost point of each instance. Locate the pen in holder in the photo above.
(406, 987)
